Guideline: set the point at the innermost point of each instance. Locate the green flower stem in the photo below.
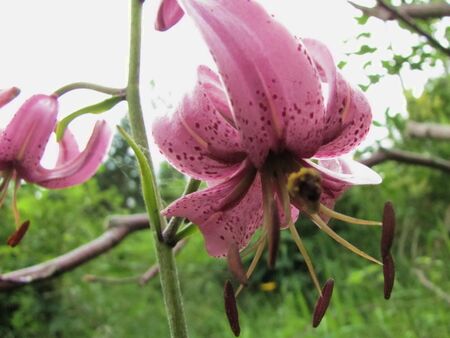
(168, 272)
(170, 232)
(85, 85)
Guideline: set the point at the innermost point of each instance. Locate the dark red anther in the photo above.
(231, 308)
(388, 229)
(274, 236)
(17, 235)
(389, 275)
(235, 264)
(323, 302)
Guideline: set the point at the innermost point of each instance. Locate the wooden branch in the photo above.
(416, 11)
(407, 157)
(118, 228)
(428, 130)
(414, 27)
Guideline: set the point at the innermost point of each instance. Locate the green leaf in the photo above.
(364, 87)
(377, 124)
(374, 78)
(342, 64)
(364, 35)
(97, 108)
(365, 49)
(362, 19)
(147, 179)
(367, 64)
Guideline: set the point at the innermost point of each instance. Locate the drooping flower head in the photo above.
(261, 134)
(22, 145)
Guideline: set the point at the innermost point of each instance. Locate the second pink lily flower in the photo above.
(23, 142)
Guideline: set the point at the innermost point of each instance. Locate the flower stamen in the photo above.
(345, 218)
(254, 263)
(330, 232)
(298, 241)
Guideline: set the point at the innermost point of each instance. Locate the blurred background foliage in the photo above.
(71, 306)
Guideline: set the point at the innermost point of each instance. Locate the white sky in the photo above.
(46, 44)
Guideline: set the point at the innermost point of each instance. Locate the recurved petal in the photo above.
(222, 228)
(7, 95)
(68, 148)
(24, 139)
(273, 87)
(210, 82)
(338, 88)
(169, 13)
(76, 169)
(357, 118)
(198, 140)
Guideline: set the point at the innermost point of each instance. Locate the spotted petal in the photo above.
(169, 13)
(348, 116)
(273, 87)
(198, 140)
(221, 228)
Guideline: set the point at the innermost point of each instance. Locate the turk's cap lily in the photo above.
(23, 142)
(267, 100)
(272, 84)
(264, 139)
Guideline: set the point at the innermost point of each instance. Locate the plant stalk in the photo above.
(168, 271)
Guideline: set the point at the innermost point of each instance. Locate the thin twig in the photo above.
(425, 11)
(431, 286)
(138, 279)
(414, 27)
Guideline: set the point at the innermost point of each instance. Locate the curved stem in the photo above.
(168, 272)
(92, 86)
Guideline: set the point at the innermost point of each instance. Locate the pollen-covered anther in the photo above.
(389, 275)
(323, 302)
(305, 186)
(231, 308)
(17, 236)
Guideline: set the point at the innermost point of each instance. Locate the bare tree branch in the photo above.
(434, 10)
(407, 157)
(118, 228)
(428, 130)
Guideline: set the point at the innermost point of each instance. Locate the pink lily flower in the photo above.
(22, 145)
(262, 136)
